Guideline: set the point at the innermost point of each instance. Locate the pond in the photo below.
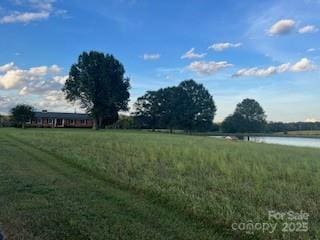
(290, 141)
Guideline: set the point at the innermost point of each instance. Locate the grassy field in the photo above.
(81, 184)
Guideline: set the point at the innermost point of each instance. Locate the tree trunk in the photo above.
(22, 125)
(95, 124)
(100, 123)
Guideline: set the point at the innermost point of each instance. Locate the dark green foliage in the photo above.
(248, 117)
(234, 123)
(292, 126)
(198, 108)
(215, 127)
(148, 110)
(172, 103)
(6, 121)
(21, 114)
(188, 106)
(124, 122)
(97, 81)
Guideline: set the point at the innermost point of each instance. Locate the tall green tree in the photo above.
(98, 82)
(197, 107)
(171, 100)
(148, 110)
(22, 113)
(253, 114)
(248, 116)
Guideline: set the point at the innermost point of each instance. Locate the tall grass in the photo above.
(216, 181)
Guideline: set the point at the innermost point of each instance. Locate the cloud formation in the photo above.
(208, 68)
(53, 100)
(192, 55)
(312, 120)
(308, 29)
(24, 17)
(154, 56)
(36, 10)
(218, 47)
(7, 67)
(34, 79)
(302, 65)
(313, 49)
(6, 103)
(282, 27)
(39, 86)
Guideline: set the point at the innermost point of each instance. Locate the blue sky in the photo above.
(266, 50)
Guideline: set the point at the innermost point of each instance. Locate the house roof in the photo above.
(72, 116)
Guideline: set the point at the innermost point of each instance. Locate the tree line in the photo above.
(188, 106)
(292, 126)
(97, 82)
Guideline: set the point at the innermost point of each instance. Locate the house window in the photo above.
(39, 121)
(82, 121)
(50, 121)
(71, 121)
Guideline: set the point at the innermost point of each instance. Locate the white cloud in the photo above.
(282, 27)
(12, 78)
(223, 46)
(33, 10)
(154, 56)
(38, 86)
(308, 29)
(44, 70)
(24, 17)
(53, 100)
(191, 54)
(24, 91)
(301, 66)
(32, 79)
(311, 50)
(207, 68)
(60, 79)
(42, 4)
(312, 120)
(6, 103)
(5, 68)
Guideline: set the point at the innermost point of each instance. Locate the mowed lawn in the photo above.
(84, 184)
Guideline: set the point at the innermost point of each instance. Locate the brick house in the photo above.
(46, 119)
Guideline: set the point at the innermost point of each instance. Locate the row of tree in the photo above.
(188, 106)
(292, 126)
(97, 82)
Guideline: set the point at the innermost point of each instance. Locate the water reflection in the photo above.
(290, 141)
